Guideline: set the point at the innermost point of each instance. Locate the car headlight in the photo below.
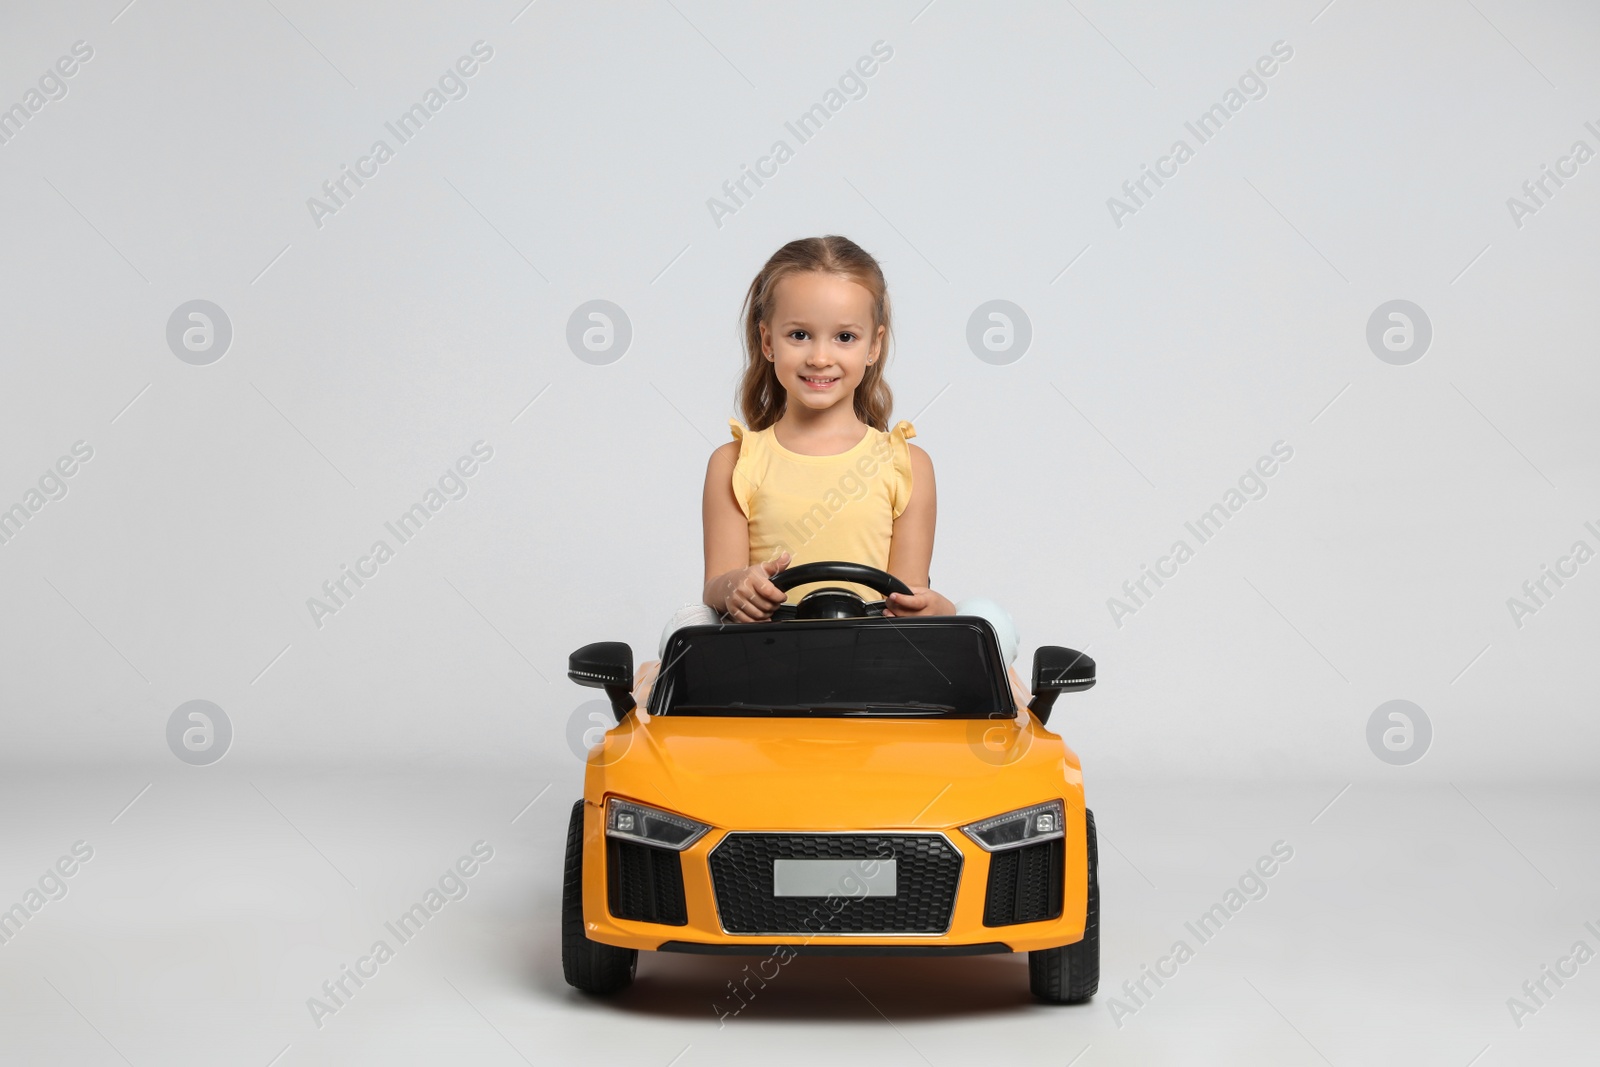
(1025, 826)
(651, 826)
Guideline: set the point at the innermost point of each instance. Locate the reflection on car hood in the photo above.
(831, 774)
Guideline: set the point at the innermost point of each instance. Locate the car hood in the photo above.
(834, 773)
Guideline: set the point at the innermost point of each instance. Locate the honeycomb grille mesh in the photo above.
(1025, 884)
(927, 871)
(644, 883)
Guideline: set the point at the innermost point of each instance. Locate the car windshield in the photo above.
(935, 667)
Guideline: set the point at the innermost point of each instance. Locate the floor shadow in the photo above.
(672, 985)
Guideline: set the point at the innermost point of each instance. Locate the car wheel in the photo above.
(1071, 974)
(589, 965)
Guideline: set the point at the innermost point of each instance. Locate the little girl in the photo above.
(816, 475)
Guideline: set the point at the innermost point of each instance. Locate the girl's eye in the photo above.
(847, 337)
(797, 335)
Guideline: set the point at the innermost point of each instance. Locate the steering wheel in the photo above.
(832, 602)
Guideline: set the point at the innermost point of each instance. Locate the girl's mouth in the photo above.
(818, 383)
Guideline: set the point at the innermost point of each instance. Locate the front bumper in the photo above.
(853, 927)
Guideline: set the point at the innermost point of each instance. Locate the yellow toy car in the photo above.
(836, 782)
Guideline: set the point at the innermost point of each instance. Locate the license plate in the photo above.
(846, 878)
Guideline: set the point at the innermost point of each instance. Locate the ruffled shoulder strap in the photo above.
(900, 493)
(744, 484)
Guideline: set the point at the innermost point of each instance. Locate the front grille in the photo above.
(927, 871)
(1025, 884)
(644, 883)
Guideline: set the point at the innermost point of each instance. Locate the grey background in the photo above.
(370, 353)
(1166, 356)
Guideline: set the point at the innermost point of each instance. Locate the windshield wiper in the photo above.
(836, 707)
(911, 707)
(737, 707)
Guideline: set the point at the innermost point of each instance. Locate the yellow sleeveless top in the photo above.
(817, 508)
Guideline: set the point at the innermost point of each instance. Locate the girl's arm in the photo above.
(734, 588)
(911, 545)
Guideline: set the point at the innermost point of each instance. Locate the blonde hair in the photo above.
(761, 398)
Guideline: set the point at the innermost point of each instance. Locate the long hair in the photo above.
(760, 396)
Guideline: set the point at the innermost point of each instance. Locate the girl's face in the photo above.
(820, 338)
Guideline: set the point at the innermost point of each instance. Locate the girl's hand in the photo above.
(753, 597)
(922, 601)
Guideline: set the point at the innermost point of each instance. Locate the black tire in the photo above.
(588, 965)
(1071, 974)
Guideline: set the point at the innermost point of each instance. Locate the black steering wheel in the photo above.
(833, 602)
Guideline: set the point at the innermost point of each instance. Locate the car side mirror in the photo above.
(1058, 670)
(606, 665)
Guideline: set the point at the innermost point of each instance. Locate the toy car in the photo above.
(835, 782)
